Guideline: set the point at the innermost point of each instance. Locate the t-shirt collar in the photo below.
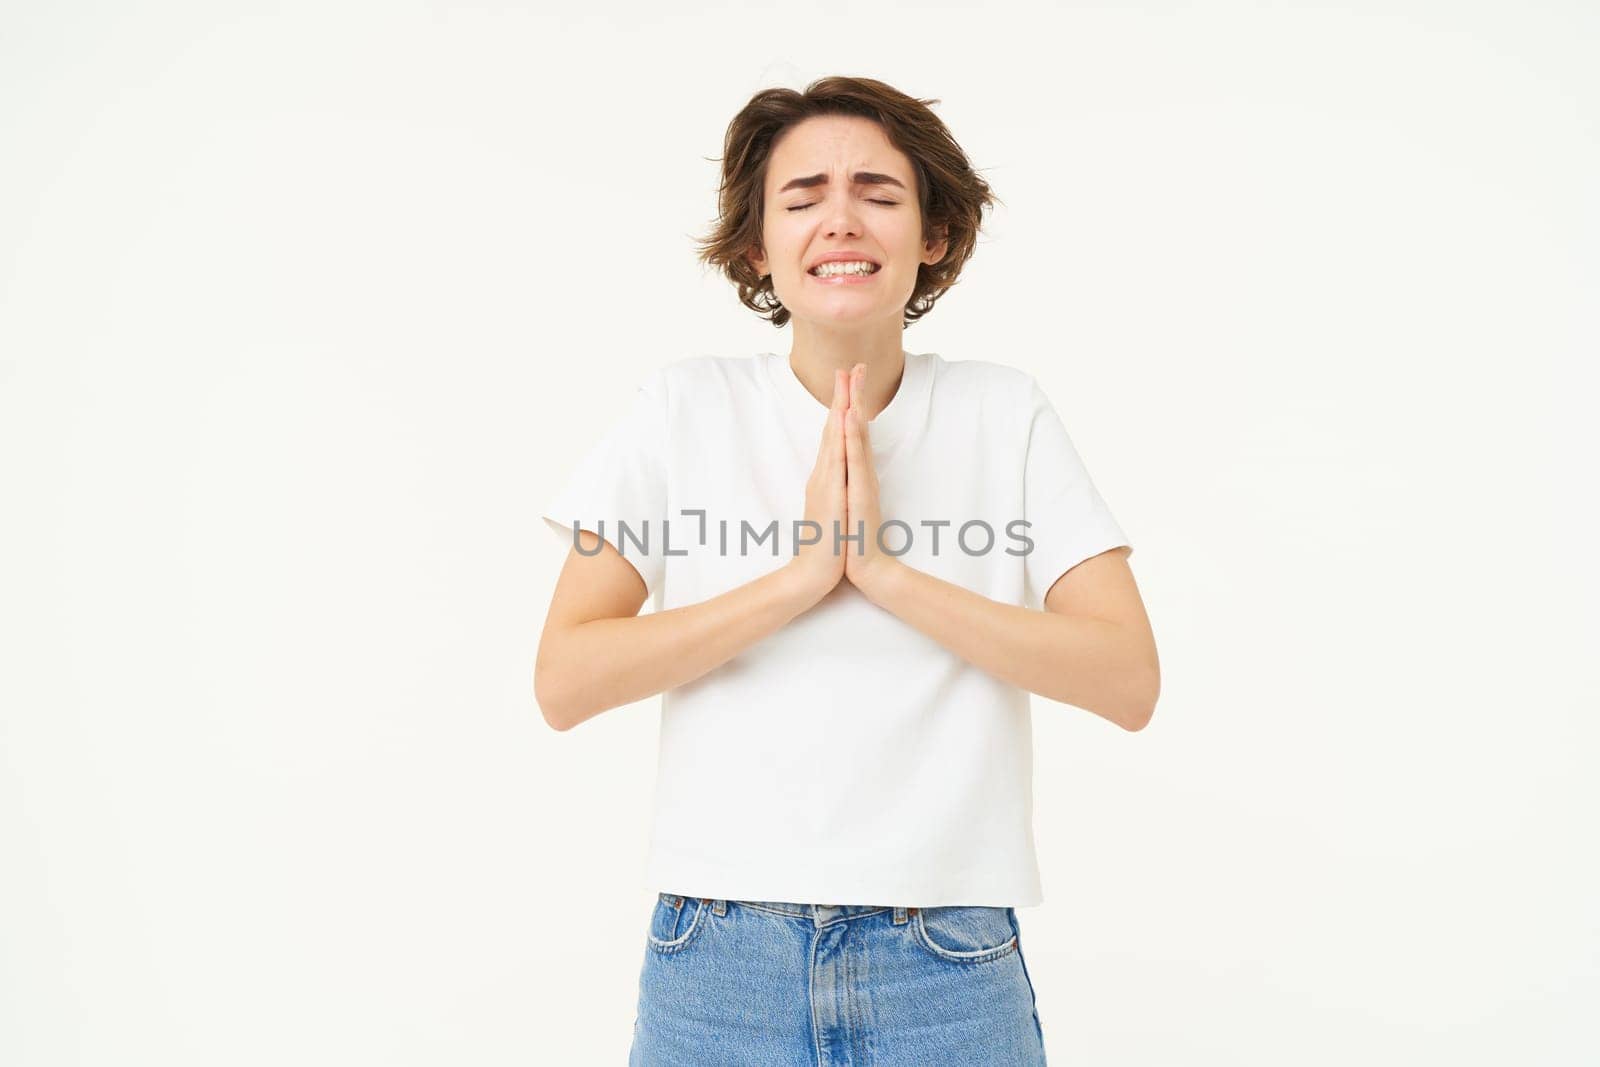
(891, 423)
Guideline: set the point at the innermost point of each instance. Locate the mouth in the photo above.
(837, 270)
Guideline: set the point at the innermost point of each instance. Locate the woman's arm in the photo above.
(1091, 647)
(598, 653)
(595, 653)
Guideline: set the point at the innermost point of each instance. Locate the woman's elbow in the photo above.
(546, 693)
(552, 687)
(1143, 708)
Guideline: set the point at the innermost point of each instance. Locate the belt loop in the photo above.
(719, 907)
(899, 916)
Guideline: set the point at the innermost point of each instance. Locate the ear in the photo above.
(937, 247)
(759, 262)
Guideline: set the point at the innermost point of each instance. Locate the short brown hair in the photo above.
(950, 194)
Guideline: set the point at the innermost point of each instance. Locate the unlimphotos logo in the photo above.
(974, 537)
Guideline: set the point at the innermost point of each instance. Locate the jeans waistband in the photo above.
(821, 914)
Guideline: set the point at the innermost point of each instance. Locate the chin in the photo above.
(862, 313)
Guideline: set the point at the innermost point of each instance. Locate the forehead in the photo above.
(834, 145)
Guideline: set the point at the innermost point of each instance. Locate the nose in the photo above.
(843, 219)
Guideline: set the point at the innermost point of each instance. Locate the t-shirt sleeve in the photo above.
(1068, 520)
(622, 482)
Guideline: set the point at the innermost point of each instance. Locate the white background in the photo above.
(306, 309)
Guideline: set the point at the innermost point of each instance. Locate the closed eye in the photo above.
(886, 203)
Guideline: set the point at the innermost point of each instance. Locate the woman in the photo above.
(843, 820)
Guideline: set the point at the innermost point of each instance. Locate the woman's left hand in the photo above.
(865, 565)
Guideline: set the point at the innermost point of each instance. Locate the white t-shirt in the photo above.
(846, 758)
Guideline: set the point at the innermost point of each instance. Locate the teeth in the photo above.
(857, 267)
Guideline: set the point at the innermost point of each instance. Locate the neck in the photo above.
(818, 351)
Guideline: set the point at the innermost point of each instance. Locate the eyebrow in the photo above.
(861, 177)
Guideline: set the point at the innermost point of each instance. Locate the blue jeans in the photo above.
(743, 982)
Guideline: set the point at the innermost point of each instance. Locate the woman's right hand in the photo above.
(820, 568)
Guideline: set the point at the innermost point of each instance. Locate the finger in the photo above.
(859, 473)
(852, 445)
(841, 395)
(833, 447)
(831, 426)
(856, 477)
(858, 382)
(850, 403)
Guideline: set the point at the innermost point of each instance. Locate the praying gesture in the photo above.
(864, 563)
(843, 488)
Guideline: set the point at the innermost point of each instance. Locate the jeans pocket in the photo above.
(676, 922)
(965, 933)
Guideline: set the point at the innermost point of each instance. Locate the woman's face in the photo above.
(834, 183)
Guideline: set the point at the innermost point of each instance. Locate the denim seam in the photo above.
(769, 911)
(848, 918)
(679, 942)
(811, 995)
(978, 956)
(1033, 994)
